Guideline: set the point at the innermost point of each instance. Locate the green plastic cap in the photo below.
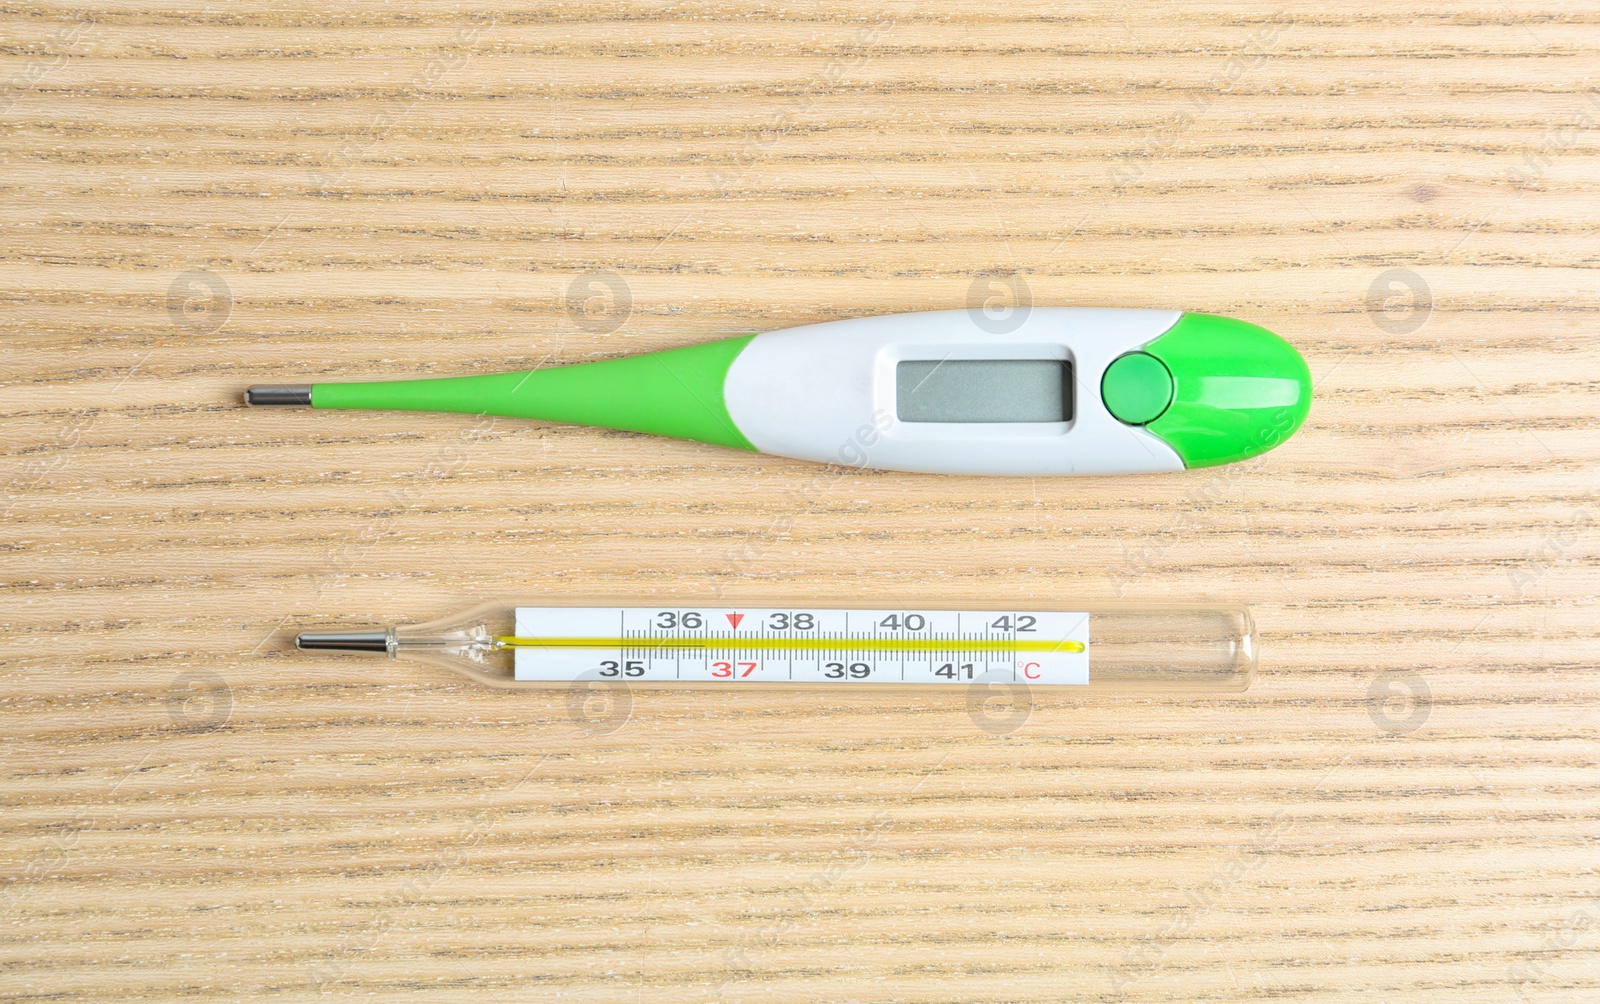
(1238, 389)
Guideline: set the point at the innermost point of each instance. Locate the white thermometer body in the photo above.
(846, 392)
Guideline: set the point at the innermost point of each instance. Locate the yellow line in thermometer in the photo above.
(802, 644)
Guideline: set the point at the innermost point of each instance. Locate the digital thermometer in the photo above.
(534, 644)
(1069, 391)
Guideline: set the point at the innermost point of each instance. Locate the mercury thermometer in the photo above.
(1069, 391)
(792, 645)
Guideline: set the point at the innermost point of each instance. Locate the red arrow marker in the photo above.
(734, 619)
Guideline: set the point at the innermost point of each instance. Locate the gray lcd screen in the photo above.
(984, 390)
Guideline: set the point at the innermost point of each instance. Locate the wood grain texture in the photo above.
(201, 197)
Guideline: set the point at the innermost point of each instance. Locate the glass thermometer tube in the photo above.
(534, 644)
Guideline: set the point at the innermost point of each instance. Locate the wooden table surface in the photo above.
(1404, 808)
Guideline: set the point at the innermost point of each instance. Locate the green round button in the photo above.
(1137, 388)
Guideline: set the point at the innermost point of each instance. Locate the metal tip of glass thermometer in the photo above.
(279, 393)
(345, 641)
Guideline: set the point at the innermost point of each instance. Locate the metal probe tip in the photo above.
(344, 641)
(279, 393)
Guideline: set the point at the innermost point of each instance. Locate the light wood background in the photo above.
(201, 197)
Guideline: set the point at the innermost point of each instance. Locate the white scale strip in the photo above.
(730, 656)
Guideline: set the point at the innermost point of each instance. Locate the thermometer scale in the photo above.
(536, 645)
(798, 646)
(1071, 390)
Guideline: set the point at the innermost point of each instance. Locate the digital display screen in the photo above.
(984, 390)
